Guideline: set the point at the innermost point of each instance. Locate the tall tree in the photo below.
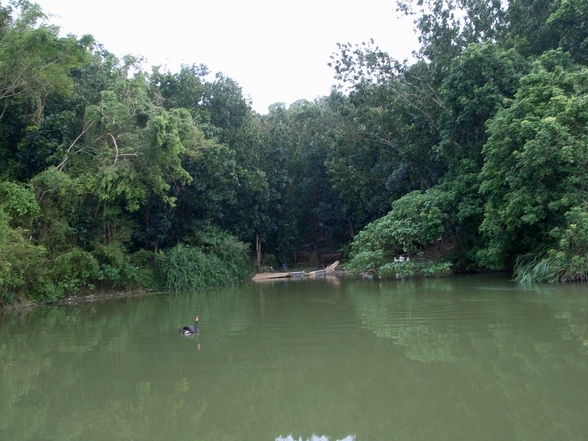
(182, 90)
(33, 58)
(570, 21)
(447, 27)
(479, 81)
(392, 115)
(227, 107)
(535, 159)
(129, 149)
(34, 63)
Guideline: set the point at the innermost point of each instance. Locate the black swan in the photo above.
(189, 330)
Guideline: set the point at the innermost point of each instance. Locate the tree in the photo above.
(227, 107)
(535, 160)
(447, 27)
(398, 242)
(391, 128)
(529, 31)
(182, 90)
(567, 258)
(478, 83)
(33, 59)
(34, 63)
(129, 147)
(570, 22)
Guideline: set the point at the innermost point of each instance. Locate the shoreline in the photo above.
(81, 298)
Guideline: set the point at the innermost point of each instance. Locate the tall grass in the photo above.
(530, 268)
(551, 267)
(189, 268)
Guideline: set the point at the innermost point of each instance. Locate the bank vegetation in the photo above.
(471, 155)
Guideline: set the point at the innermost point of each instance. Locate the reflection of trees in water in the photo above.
(518, 353)
(70, 373)
(443, 361)
(437, 315)
(314, 438)
(398, 316)
(20, 371)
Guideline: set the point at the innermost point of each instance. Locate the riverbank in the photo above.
(93, 296)
(81, 298)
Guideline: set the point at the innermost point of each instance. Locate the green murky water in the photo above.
(464, 358)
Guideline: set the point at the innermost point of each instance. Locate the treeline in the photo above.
(480, 144)
(472, 155)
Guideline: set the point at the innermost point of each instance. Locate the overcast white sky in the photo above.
(276, 50)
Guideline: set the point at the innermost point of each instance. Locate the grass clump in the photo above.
(566, 261)
(215, 258)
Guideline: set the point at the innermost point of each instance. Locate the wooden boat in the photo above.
(270, 276)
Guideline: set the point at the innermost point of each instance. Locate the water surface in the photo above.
(462, 358)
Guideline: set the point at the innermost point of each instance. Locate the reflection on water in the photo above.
(465, 358)
(314, 438)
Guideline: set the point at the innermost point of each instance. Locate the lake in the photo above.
(459, 358)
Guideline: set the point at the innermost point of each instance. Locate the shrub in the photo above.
(143, 261)
(116, 271)
(566, 261)
(233, 254)
(219, 260)
(19, 203)
(23, 267)
(415, 221)
(75, 270)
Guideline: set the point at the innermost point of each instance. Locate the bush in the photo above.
(75, 270)
(221, 261)
(415, 267)
(567, 261)
(24, 273)
(19, 203)
(413, 224)
(116, 271)
(233, 254)
(145, 276)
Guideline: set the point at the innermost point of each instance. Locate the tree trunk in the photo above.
(258, 252)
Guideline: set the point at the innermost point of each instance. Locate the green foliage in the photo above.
(131, 148)
(389, 130)
(115, 269)
(567, 261)
(182, 90)
(304, 208)
(481, 142)
(538, 26)
(75, 270)
(18, 201)
(35, 63)
(143, 264)
(189, 268)
(24, 273)
(60, 198)
(215, 180)
(227, 107)
(213, 257)
(570, 24)
(536, 159)
(474, 89)
(232, 253)
(411, 227)
(478, 82)
(415, 267)
(33, 59)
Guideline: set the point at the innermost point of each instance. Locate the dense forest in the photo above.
(472, 155)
